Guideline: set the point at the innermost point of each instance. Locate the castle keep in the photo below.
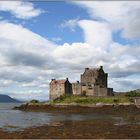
(93, 83)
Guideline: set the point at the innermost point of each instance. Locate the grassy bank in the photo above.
(78, 104)
(90, 100)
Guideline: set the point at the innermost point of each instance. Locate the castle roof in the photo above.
(93, 71)
(62, 81)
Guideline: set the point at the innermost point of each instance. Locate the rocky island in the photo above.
(91, 92)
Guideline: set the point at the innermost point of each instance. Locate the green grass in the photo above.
(90, 100)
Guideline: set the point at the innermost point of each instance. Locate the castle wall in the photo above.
(110, 92)
(100, 91)
(84, 89)
(96, 90)
(103, 92)
(90, 92)
(56, 90)
(102, 80)
(76, 88)
(87, 79)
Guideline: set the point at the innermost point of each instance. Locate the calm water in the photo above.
(13, 120)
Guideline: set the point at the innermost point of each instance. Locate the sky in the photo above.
(42, 40)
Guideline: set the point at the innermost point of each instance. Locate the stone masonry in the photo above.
(93, 83)
(59, 87)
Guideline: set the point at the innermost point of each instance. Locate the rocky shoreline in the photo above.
(76, 130)
(75, 108)
(82, 129)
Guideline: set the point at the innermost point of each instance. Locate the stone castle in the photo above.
(93, 83)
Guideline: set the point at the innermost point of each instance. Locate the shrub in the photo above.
(61, 98)
(131, 100)
(132, 94)
(115, 100)
(83, 93)
(34, 101)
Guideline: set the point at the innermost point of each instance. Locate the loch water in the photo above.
(16, 120)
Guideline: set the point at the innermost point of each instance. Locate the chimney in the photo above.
(86, 69)
(67, 78)
(101, 67)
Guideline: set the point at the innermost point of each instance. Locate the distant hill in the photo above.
(7, 99)
(122, 94)
(138, 90)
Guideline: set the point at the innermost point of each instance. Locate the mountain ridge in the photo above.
(8, 99)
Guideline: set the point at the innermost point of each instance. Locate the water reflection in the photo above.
(12, 120)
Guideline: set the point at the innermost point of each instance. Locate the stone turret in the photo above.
(59, 87)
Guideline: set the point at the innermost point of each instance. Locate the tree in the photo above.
(34, 101)
(132, 94)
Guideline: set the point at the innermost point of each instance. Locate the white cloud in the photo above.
(72, 23)
(20, 9)
(22, 46)
(118, 14)
(56, 39)
(96, 34)
(28, 61)
(19, 34)
(25, 57)
(128, 82)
